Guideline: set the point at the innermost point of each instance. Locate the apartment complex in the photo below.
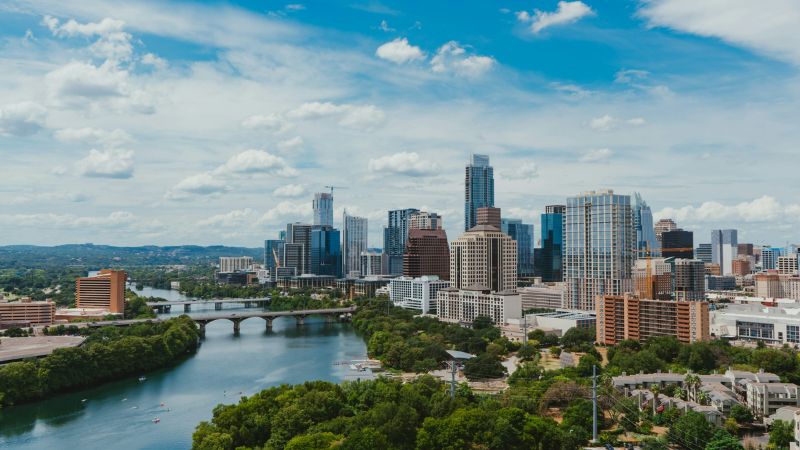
(427, 253)
(26, 313)
(628, 317)
(106, 291)
(464, 305)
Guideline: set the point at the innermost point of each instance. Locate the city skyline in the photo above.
(119, 130)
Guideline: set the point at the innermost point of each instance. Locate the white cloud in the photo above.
(117, 220)
(399, 51)
(566, 13)
(762, 209)
(290, 190)
(525, 171)
(384, 26)
(81, 85)
(256, 162)
(39, 197)
(108, 138)
(292, 144)
(608, 123)
(403, 163)
(768, 26)
(234, 219)
(572, 90)
(113, 43)
(22, 119)
(295, 7)
(354, 116)
(112, 163)
(596, 155)
(150, 59)
(287, 210)
(452, 58)
(630, 75)
(270, 122)
(199, 184)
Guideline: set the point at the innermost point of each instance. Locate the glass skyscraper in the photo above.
(354, 241)
(522, 233)
(394, 238)
(478, 188)
(326, 254)
(552, 241)
(599, 247)
(724, 249)
(323, 209)
(646, 243)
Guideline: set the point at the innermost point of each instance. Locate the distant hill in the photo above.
(98, 256)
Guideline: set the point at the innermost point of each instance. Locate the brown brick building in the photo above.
(106, 290)
(27, 313)
(628, 317)
(489, 216)
(427, 253)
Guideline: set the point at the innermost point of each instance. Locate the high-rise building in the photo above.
(106, 291)
(230, 264)
(657, 285)
(489, 215)
(627, 317)
(522, 234)
(742, 266)
(273, 255)
(646, 243)
(297, 249)
(323, 209)
(769, 257)
(326, 254)
(677, 244)
(478, 188)
(424, 220)
(484, 258)
(599, 247)
(372, 263)
(787, 265)
(689, 280)
(703, 253)
(394, 238)
(354, 241)
(552, 241)
(427, 253)
(724, 249)
(745, 249)
(664, 225)
(416, 293)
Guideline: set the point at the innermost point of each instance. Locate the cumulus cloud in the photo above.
(108, 138)
(113, 43)
(525, 171)
(452, 58)
(762, 209)
(233, 219)
(111, 163)
(256, 162)
(399, 51)
(355, 116)
(608, 123)
(286, 210)
(565, 14)
(22, 119)
(403, 163)
(269, 122)
(768, 26)
(80, 84)
(39, 197)
(199, 184)
(290, 190)
(150, 59)
(596, 155)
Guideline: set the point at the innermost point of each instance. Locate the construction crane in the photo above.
(649, 257)
(334, 187)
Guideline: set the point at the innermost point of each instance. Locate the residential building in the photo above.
(764, 399)
(663, 226)
(646, 243)
(105, 291)
(464, 305)
(484, 257)
(424, 220)
(688, 280)
(489, 215)
(769, 257)
(427, 253)
(372, 263)
(522, 234)
(542, 296)
(787, 265)
(354, 241)
(599, 247)
(724, 249)
(394, 238)
(416, 293)
(273, 255)
(628, 317)
(478, 188)
(228, 264)
(323, 209)
(326, 253)
(703, 253)
(26, 313)
(552, 232)
(297, 249)
(677, 244)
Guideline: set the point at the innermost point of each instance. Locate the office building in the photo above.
(703, 253)
(273, 255)
(228, 264)
(369, 287)
(724, 249)
(688, 280)
(655, 284)
(720, 283)
(599, 247)
(485, 258)
(323, 209)
(372, 263)
(522, 234)
(677, 244)
(297, 249)
(26, 313)
(745, 250)
(552, 231)
(105, 291)
(307, 281)
(427, 253)
(646, 243)
(489, 215)
(326, 254)
(742, 266)
(769, 257)
(771, 324)
(394, 238)
(354, 241)
(478, 188)
(416, 293)
(424, 220)
(663, 226)
(542, 296)
(628, 317)
(464, 305)
(787, 265)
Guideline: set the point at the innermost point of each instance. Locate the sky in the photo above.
(180, 122)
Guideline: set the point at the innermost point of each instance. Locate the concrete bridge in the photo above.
(330, 314)
(165, 307)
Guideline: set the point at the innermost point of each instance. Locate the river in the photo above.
(120, 415)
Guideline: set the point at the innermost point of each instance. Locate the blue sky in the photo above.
(214, 122)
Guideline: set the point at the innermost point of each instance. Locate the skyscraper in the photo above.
(552, 233)
(106, 290)
(394, 238)
(646, 243)
(677, 244)
(522, 233)
(478, 188)
(424, 220)
(724, 249)
(273, 255)
(427, 253)
(599, 247)
(689, 280)
(489, 215)
(484, 258)
(664, 225)
(354, 241)
(326, 255)
(323, 209)
(297, 249)
(703, 253)
(769, 257)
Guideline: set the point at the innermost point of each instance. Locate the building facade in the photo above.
(464, 305)
(626, 316)
(416, 293)
(355, 231)
(105, 291)
(489, 215)
(323, 209)
(677, 244)
(478, 188)
(427, 253)
(703, 253)
(26, 313)
(297, 249)
(552, 241)
(484, 257)
(326, 253)
(394, 238)
(542, 296)
(689, 280)
(787, 265)
(522, 234)
(769, 257)
(228, 264)
(724, 249)
(372, 263)
(273, 255)
(646, 243)
(663, 226)
(424, 220)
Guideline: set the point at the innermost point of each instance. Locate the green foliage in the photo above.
(691, 429)
(781, 434)
(722, 440)
(578, 339)
(484, 366)
(136, 307)
(544, 339)
(741, 414)
(15, 332)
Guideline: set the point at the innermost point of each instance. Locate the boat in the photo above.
(125, 399)
(83, 401)
(156, 420)
(142, 378)
(162, 404)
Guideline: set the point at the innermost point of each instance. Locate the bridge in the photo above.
(164, 307)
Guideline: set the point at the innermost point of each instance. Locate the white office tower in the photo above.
(354, 241)
(724, 249)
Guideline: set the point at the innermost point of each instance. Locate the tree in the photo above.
(722, 440)
(365, 439)
(577, 338)
(691, 430)
(781, 434)
(654, 443)
(741, 414)
(484, 366)
(315, 441)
